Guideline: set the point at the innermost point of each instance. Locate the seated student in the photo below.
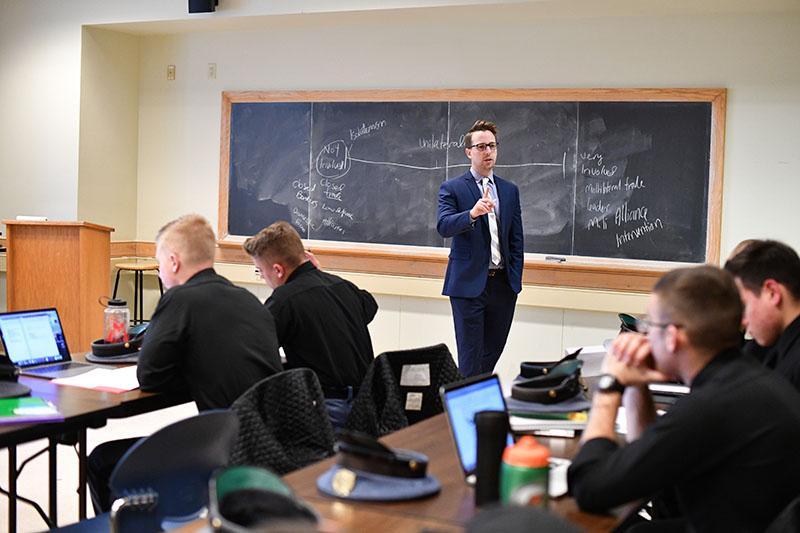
(321, 319)
(727, 450)
(749, 346)
(206, 336)
(768, 277)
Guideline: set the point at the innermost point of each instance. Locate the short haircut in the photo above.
(191, 237)
(277, 243)
(765, 259)
(740, 247)
(480, 125)
(705, 302)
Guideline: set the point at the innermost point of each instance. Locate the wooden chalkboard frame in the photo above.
(577, 272)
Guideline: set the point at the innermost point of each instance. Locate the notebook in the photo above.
(461, 401)
(34, 341)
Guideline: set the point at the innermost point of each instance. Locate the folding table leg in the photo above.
(82, 474)
(12, 489)
(52, 453)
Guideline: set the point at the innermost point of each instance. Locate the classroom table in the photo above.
(449, 510)
(82, 409)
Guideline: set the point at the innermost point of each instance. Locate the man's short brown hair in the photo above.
(480, 125)
(191, 237)
(705, 302)
(277, 243)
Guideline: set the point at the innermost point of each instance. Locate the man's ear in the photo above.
(175, 262)
(772, 290)
(674, 338)
(278, 269)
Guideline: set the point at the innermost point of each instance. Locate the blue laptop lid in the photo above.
(461, 401)
(33, 337)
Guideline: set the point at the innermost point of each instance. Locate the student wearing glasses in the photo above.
(480, 211)
(725, 454)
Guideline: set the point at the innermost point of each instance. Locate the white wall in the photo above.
(109, 131)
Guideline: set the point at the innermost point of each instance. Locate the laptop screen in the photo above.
(461, 402)
(33, 337)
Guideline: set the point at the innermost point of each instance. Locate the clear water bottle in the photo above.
(115, 321)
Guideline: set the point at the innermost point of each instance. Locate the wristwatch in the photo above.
(608, 383)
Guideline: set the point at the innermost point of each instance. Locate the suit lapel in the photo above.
(472, 186)
(500, 187)
(474, 189)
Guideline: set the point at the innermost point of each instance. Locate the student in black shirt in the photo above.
(321, 319)
(727, 450)
(206, 336)
(768, 277)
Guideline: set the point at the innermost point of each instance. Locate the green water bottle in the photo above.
(524, 473)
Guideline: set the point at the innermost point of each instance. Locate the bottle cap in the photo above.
(527, 453)
(117, 303)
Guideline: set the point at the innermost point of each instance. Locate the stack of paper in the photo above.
(547, 421)
(108, 380)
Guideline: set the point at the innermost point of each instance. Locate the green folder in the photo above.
(28, 409)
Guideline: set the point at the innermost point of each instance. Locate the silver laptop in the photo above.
(461, 401)
(34, 341)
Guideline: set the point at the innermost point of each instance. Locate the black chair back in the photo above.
(402, 388)
(284, 424)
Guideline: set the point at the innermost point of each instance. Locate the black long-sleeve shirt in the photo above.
(211, 338)
(784, 357)
(729, 450)
(322, 322)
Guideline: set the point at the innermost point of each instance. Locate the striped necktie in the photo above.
(487, 186)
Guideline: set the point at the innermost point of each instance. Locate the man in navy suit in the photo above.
(481, 213)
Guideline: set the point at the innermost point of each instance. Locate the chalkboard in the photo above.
(610, 174)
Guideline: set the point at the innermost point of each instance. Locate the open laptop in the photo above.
(461, 401)
(34, 341)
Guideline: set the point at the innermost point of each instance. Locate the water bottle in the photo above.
(115, 321)
(492, 431)
(524, 474)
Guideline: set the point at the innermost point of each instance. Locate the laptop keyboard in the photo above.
(50, 368)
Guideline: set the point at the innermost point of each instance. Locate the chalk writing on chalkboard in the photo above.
(619, 179)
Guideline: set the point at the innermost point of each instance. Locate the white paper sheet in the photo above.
(109, 380)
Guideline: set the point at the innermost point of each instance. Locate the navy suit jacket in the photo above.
(468, 267)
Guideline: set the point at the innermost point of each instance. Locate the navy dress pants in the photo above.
(482, 325)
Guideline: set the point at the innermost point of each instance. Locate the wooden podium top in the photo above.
(80, 223)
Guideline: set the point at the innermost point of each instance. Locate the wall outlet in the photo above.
(212, 71)
(171, 72)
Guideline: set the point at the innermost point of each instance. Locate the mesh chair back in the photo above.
(284, 424)
(175, 463)
(386, 402)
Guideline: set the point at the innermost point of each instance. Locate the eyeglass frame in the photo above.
(644, 325)
(486, 146)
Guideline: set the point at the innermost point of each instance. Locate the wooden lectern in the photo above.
(66, 265)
